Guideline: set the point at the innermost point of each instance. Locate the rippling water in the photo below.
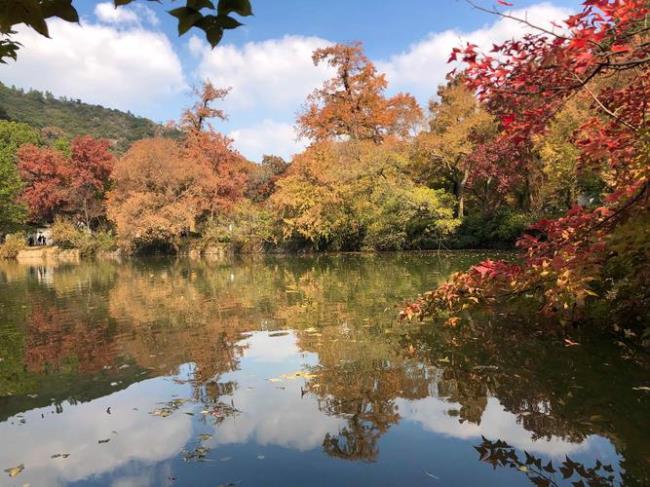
(295, 372)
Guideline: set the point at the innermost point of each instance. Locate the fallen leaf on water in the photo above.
(299, 373)
(60, 455)
(104, 441)
(205, 437)
(429, 474)
(523, 468)
(570, 343)
(15, 471)
(198, 454)
(279, 334)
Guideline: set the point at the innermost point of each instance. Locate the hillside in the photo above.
(75, 117)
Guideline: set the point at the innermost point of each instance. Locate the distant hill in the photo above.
(75, 117)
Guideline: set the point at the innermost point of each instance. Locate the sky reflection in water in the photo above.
(197, 363)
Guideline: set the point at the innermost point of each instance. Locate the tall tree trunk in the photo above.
(460, 194)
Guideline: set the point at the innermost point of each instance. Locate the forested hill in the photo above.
(74, 117)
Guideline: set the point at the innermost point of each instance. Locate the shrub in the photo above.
(248, 229)
(501, 229)
(68, 236)
(13, 244)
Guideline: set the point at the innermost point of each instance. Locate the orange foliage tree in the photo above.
(352, 104)
(73, 185)
(158, 195)
(165, 189)
(202, 143)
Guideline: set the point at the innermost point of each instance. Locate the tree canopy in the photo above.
(352, 104)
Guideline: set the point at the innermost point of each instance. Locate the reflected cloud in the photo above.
(135, 436)
(433, 414)
(275, 413)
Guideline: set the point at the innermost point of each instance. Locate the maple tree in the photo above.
(589, 253)
(352, 104)
(73, 185)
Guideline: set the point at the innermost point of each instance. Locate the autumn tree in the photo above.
(263, 177)
(165, 189)
(72, 185)
(205, 145)
(352, 104)
(457, 125)
(565, 181)
(46, 174)
(12, 136)
(91, 164)
(158, 194)
(591, 254)
(355, 194)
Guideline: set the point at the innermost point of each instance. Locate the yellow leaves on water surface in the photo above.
(15, 471)
(293, 375)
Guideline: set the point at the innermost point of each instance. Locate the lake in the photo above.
(295, 371)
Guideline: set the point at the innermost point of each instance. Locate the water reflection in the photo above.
(293, 372)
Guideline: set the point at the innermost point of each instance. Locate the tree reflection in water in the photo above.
(86, 323)
(499, 454)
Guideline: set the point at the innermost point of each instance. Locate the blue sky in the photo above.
(132, 58)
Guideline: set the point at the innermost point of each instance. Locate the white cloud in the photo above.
(267, 137)
(423, 66)
(106, 12)
(273, 74)
(131, 69)
(136, 14)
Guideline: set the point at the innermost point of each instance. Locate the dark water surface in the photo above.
(295, 372)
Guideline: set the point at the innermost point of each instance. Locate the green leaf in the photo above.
(199, 4)
(62, 9)
(226, 22)
(28, 12)
(214, 36)
(187, 18)
(240, 7)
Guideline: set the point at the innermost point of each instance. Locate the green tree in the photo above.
(12, 136)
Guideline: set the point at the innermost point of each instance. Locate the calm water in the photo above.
(295, 372)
